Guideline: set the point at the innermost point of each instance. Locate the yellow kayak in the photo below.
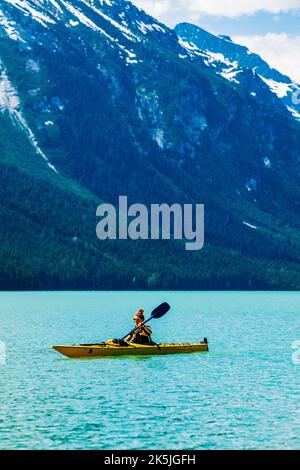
(108, 349)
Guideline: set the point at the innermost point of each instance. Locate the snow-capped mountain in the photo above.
(99, 99)
(239, 65)
(119, 23)
(123, 25)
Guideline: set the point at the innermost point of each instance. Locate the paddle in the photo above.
(158, 312)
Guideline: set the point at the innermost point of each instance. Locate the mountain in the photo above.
(237, 64)
(99, 99)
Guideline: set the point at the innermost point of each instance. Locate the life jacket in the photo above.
(142, 335)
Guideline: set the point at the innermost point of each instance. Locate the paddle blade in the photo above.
(161, 310)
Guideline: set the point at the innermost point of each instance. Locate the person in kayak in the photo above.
(142, 335)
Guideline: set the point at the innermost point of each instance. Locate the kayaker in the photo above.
(142, 335)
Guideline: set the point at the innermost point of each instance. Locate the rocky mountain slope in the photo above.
(240, 66)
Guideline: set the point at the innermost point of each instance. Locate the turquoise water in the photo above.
(243, 394)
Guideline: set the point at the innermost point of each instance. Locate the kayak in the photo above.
(131, 349)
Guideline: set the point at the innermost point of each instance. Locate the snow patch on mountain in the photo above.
(129, 35)
(190, 48)
(10, 28)
(83, 19)
(56, 5)
(230, 74)
(294, 112)
(73, 23)
(27, 9)
(145, 28)
(250, 225)
(8, 97)
(212, 59)
(280, 89)
(267, 162)
(218, 57)
(159, 138)
(131, 59)
(9, 100)
(283, 90)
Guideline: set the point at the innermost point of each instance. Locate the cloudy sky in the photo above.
(268, 27)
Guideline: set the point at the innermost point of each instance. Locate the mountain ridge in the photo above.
(238, 58)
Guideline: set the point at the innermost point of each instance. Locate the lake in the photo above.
(243, 394)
